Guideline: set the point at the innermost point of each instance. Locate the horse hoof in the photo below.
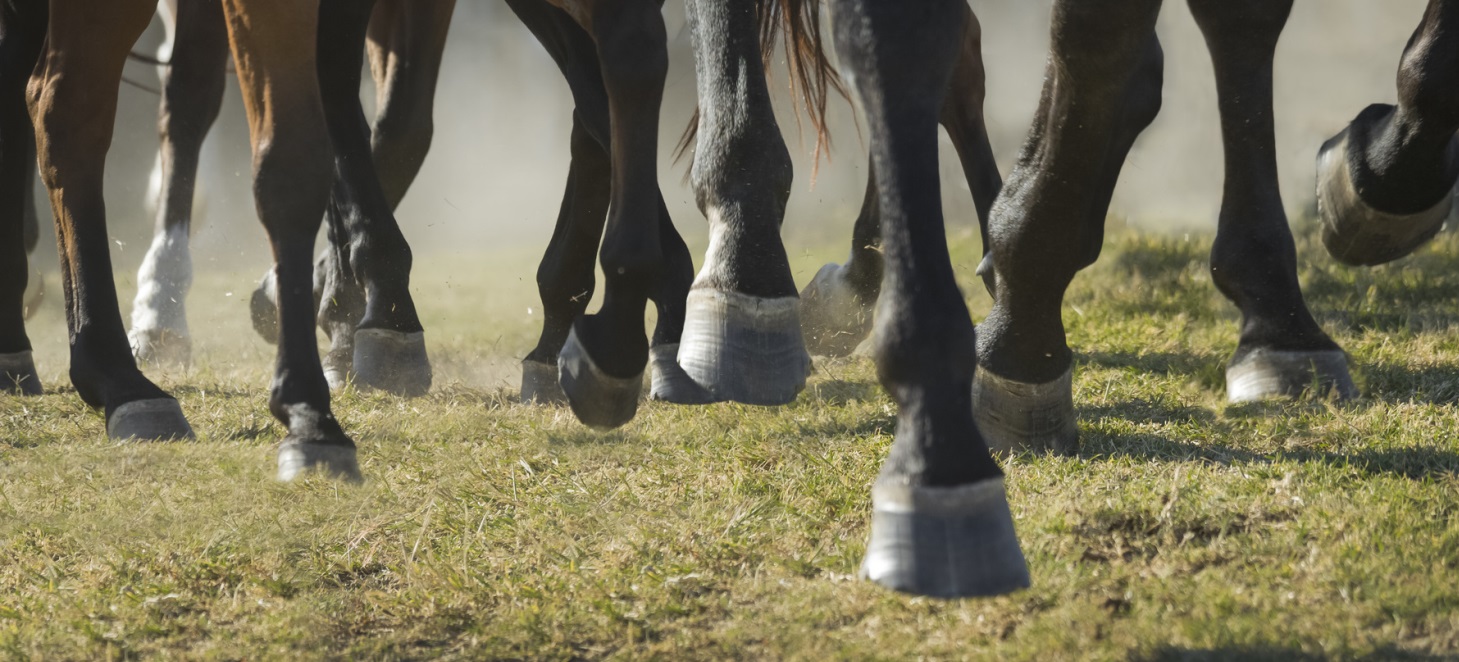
(392, 361)
(18, 371)
(338, 364)
(155, 419)
(539, 384)
(1015, 417)
(161, 347)
(335, 461)
(1264, 373)
(835, 318)
(944, 542)
(744, 348)
(1357, 234)
(669, 382)
(601, 401)
(263, 311)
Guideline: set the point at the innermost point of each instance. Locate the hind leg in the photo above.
(1386, 183)
(192, 94)
(1282, 350)
(22, 31)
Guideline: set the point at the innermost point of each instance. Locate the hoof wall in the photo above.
(1015, 417)
(669, 382)
(1263, 374)
(161, 347)
(338, 367)
(743, 348)
(18, 372)
(945, 542)
(263, 310)
(1357, 234)
(157, 419)
(296, 459)
(392, 361)
(835, 318)
(599, 400)
(539, 384)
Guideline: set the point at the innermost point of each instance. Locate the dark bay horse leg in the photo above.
(1386, 183)
(22, 32)
(940, 519)
(1101, 89)
(836, 307)
(1282, 350)
(73, 99)
(192, 95)
(565, 277)
(406, 41)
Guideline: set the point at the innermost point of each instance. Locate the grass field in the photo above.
(1186, 528)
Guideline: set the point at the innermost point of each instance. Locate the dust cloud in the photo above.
(496, 170)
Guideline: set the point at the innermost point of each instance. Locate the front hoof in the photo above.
(155, 419)
(335, 461)
(1357, 234)
(744, 348)
(392, 361)
(263, 310)
(338, 364)
(944, 542)
(539, 384)
(1263, 373)
(161, 347)
(599, 400)
(17, 369)
(669, 382)
(835, 318)
(1015, 417)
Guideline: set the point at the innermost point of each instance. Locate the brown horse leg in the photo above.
(406, 41)
(192, 94)
(22, 32)
(273, 44)
(73, 99)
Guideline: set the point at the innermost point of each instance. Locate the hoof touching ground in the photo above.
(156, 419)
(945, 542)
(599, 400)
(1015, 417)
(1357, 234)
(743, 348)
(835, 318)
(297, 459)
(669, 382)
(392, 361)
(1263, 373)
(539, 384)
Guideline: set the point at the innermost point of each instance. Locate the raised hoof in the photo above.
(1262, 374)
(834, 317)
(17, 369)
(155, 419)
(539, 384)
(743, 348)
(1015, 417)
(392, 361)
(338, 364)
(296, 459)
(599, 400)
(1357, 234)
(264, 311)
(944, 542)
(669, 382)
(161, 347)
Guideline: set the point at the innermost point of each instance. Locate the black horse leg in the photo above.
(837, 304)
(192, 95)
(1386, 183)
(22, 31)
(940, 518)
(1101, 89)
(1282, 350)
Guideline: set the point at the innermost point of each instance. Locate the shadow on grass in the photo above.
(837, 392)
(1433, 384)
(1163, 363)
(1412, 463)
(1148, 411)
(1262, 653)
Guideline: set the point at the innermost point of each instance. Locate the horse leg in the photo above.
(1386, 183)
(1101, 89)
(273, 44)
(1282, 350)
(22, 33)
(406, 40)
(192, 95)
(837, 304)
(940, 519)
(72, 99)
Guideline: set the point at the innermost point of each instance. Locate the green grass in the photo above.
(1185, 529)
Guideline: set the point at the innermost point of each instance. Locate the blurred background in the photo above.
(495, 174)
